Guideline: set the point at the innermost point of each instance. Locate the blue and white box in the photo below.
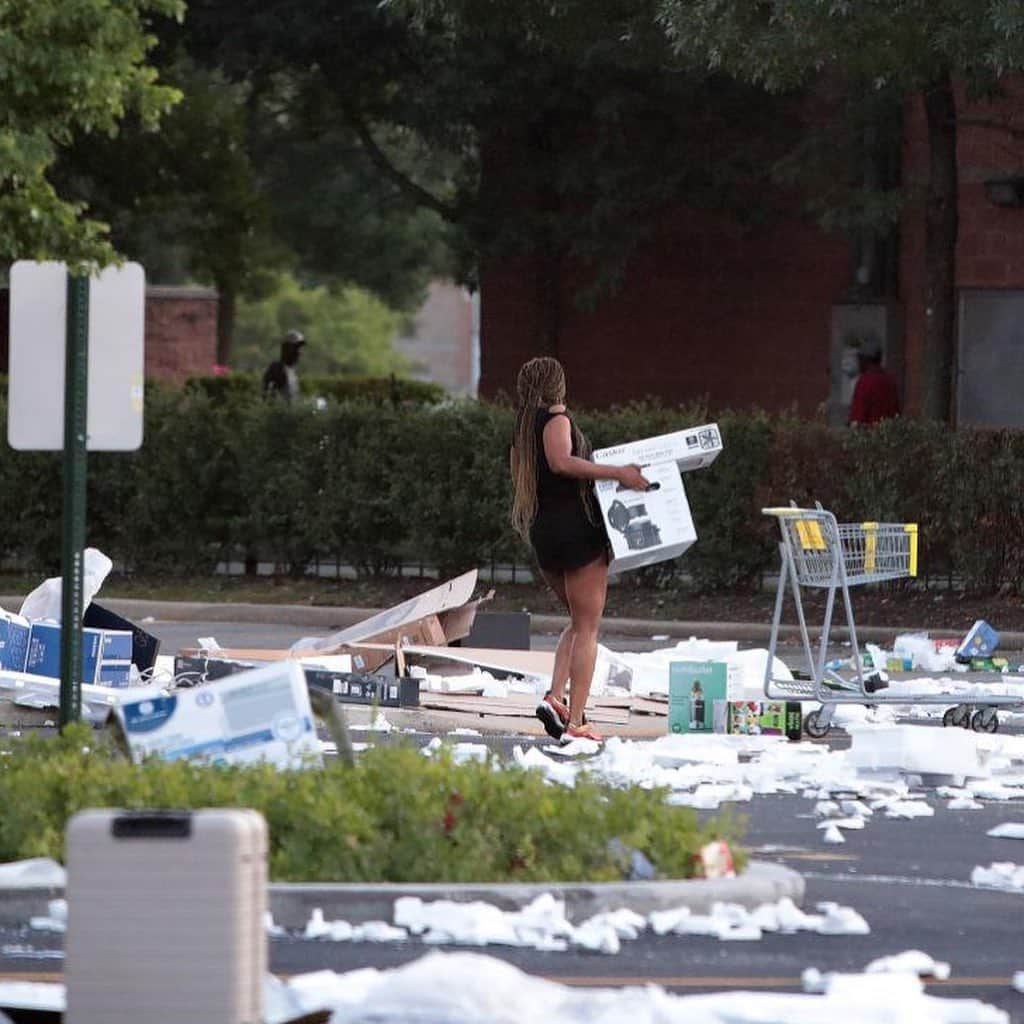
(14, 634)
(98, 646)
(981, 642)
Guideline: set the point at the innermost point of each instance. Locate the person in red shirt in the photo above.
(875, 395)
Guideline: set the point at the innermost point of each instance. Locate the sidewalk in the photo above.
(339, 617)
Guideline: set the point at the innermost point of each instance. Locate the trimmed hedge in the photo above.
(396, 816)
(373, 485)
(231, 387)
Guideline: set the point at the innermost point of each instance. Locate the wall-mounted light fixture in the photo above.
(1006, 191)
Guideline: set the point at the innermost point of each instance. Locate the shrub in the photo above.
(374, 483)
(395, 816)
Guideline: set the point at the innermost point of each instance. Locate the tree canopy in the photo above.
(68, 66)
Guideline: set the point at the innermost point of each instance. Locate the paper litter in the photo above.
(33, 873)
(999, 875)
(1008, 830)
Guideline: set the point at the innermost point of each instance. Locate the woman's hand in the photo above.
(632, 479)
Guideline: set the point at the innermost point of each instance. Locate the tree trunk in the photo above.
(225, 321)
(942, 225)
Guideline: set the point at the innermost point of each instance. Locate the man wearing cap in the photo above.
(875, 395)
(281, 377)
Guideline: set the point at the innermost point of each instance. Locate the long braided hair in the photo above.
(540, 384)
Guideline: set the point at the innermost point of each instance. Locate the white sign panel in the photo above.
(38, 334)
(262, 715)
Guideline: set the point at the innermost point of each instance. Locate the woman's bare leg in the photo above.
(563, 652)
(586, 589)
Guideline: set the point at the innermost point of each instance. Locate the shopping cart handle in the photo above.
(786, 510)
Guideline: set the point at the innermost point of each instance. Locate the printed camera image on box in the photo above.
(645, 527)
(697, 695)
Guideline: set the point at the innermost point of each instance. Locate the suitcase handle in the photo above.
(152, 825)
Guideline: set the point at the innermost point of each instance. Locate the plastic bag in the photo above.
(45, 601)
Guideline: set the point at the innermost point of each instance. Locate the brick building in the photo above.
(762, 319)
(181, 331)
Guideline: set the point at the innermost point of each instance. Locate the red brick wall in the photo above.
(181, 332)
(705, 311)
(990, 246)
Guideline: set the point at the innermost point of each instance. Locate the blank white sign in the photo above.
(38, 332)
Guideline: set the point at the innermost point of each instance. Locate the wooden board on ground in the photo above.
(515, 705)
(521, 663)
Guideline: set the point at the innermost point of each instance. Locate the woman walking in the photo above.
(554, 511)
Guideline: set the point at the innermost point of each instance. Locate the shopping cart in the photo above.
(816, 551)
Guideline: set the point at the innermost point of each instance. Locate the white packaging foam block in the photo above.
(918, 749)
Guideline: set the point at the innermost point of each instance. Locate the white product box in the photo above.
(645, 527)
(689, 449)
(262, 715)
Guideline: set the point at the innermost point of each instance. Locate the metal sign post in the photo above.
(76, 384)
(76, 380)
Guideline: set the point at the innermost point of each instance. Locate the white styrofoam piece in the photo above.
(32, 873)
(913, 748)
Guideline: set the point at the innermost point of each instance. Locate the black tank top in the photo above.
(552, 487)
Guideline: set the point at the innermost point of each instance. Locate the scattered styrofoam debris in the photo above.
(30, 953)
(999, 875)
(854, 824)
(543, 924)
(1008, 830)
(912, 961)
(56, 920)
(38, 872)
(465, 987)
(832, 834)
(962, 803)
(1018, 981)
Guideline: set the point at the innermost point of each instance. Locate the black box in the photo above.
(145, 646)
(356, 688)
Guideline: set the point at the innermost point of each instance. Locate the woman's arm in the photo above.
(558, 451)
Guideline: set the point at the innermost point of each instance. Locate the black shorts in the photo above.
(564, 537)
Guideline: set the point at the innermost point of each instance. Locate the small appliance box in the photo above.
(260, 715)
(689, 449)
(981, 642)
(14, 634)
(698, 693)
(645, 527)
(106, 654)
(764, 718)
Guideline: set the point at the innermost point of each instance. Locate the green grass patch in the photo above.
(397, 816)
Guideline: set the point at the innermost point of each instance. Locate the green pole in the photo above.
(76, 379)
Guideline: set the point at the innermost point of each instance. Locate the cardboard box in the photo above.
(14, 635)
(764, 718)
(144, 647)
(43, 655)
(645, 527)
(689, 449)
(357, 688)
(260, 715)
(981, 642)
(698, 693)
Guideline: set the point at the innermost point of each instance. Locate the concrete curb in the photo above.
(338, 617)
(292, 903)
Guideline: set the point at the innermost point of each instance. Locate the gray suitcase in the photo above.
(166, 917)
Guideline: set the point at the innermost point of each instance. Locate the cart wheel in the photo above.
(985, 720)
(949, 718)
(959, 716)
(814, 727)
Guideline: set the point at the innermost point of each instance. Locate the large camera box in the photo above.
(694, 448)
(645, 527)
